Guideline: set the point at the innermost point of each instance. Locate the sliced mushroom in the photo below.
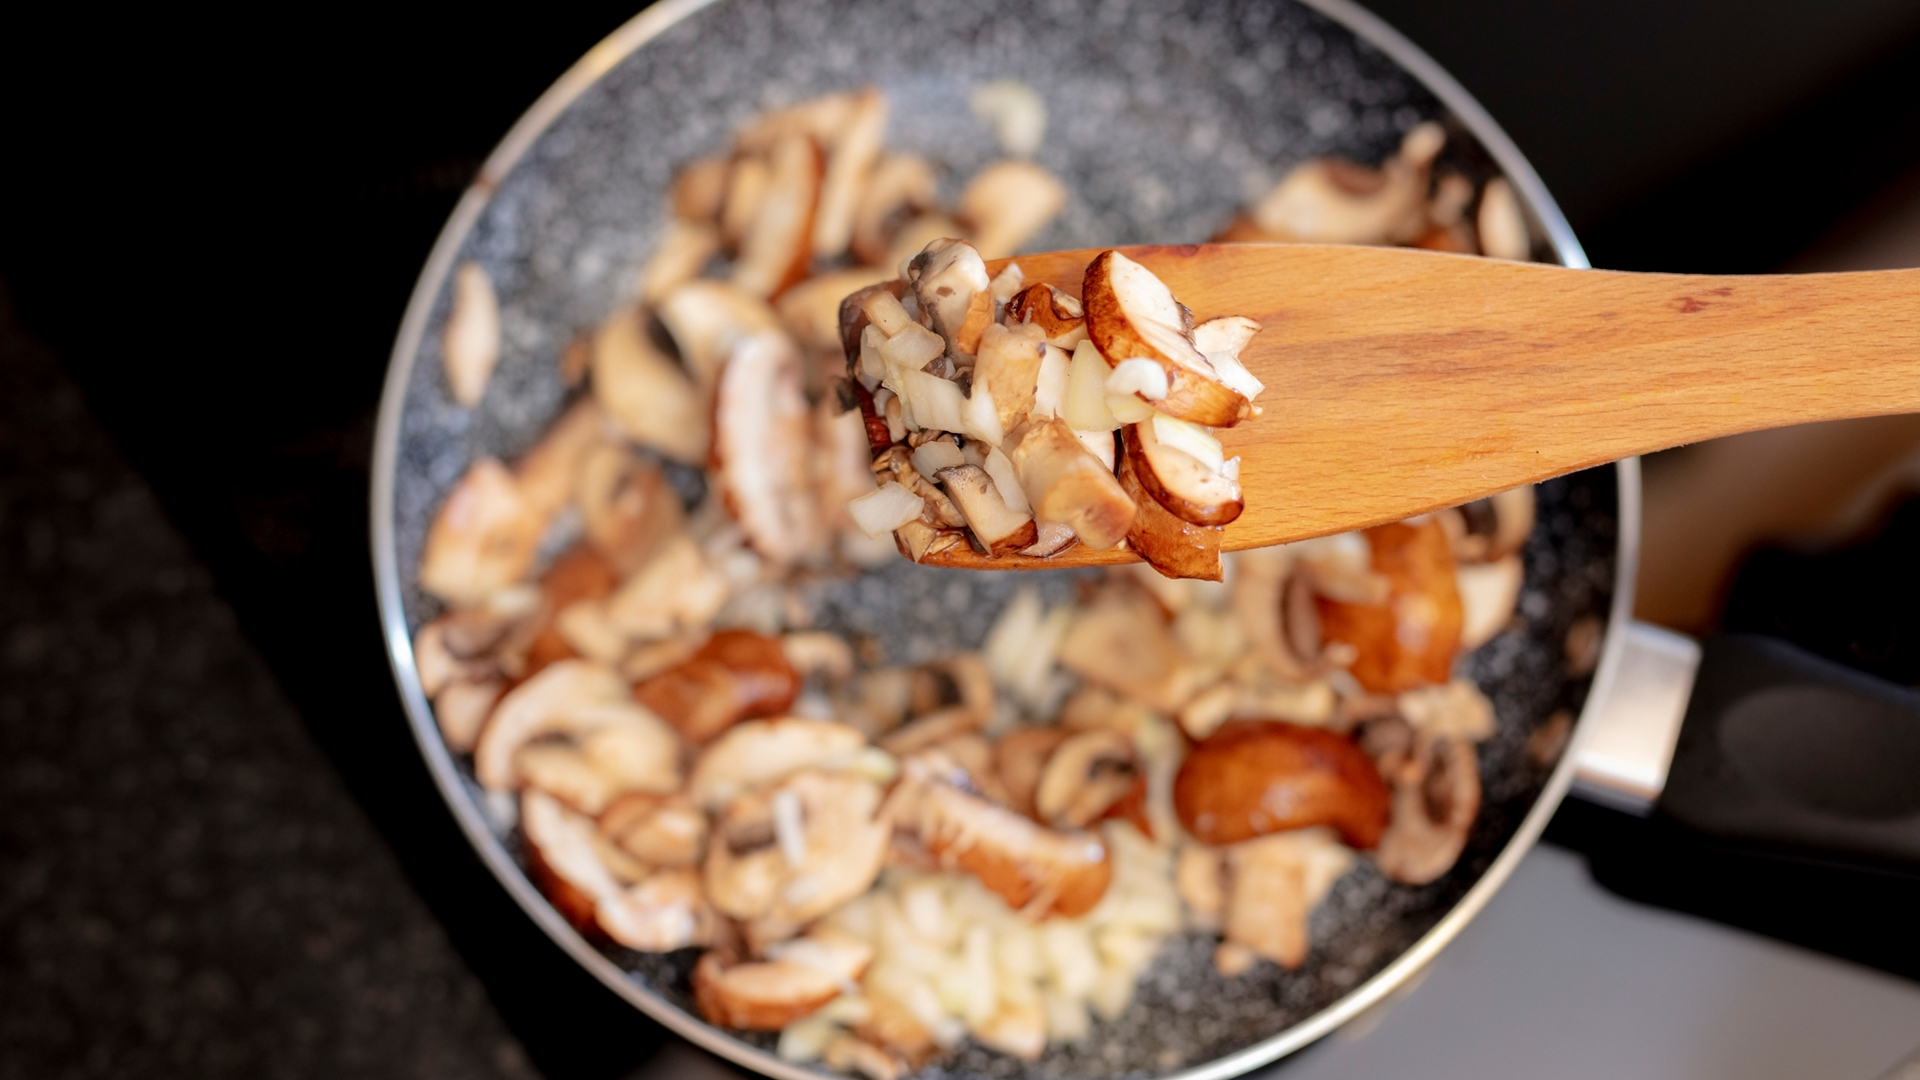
(776, 248)
(658, 830)
(1083, 779)
(1410, 639)
(1066, 485)
(471, 345)
(582, 574)
(1131, 313)
(677, 591)
(1502, 226)
(1220, 341)
(707, 319)
(454, 648)
(759, 752)
(683, 250)
(483, 539)
(1175, 548)
(851, 1055)
(1008, 366)
(821, 119)
(576, 698)
(1037, 871)
(1329, 201)
(900, 186)
(1277, 881)
(1491, 528)
(700, 190)
(914, 236)
(748, 182)
(1166, 455)
(1007, 203)
(762, 449)
(737, 675)
(1120, 642)
(946, 276)
(1054, 538)
(856, 146)
(1488, 594)
(663, 912)
(1434, 804)
(1200, 876)
(1059, 315)
(645, 392)
(1020, 757)
(918, 540)
(997, 529)
(785, 855)
(1254, 777)
(629, 507)
(462, 708)
(811, 312)
(768, 995)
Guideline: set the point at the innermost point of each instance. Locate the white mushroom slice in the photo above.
(634, 749)
(886, 508)
(759, 752)
(1054, 538)
(667, 910)
(1120, 642)
(1131, 313)
(549, 475)
(658, 830)
(483, 539)
(747, 186)
(663, 912)
(918, 540)
(629, 507)
(1503, 228)
(561, 771)
(1220, 341)
(996, 527)
(1008, 366)
(780, 874)
(1037, 871)
(1434, 806)
(776, 248)
(913, 237)
(1008, 202)
(471, 346)
(1277, 881)
(676, 591)
(762, 447)
(946, 276)
(574, 698)
(1065, 484)
(770, 994)
(683, 251)
(708, 319)
(1085, 775)
(1058, 314)
(462, 708)
(700, 190)
(1336, 202)
(645, 392)
(1488, 593)
(855, 149)
(1181, 468)
(811, 309)
(900, 186)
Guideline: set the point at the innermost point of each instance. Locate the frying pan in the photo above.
(1163, 118)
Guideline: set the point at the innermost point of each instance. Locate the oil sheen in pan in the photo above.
(1163, 118)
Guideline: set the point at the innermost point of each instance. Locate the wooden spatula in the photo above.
(1402, 381)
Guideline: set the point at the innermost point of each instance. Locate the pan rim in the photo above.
(582, 76)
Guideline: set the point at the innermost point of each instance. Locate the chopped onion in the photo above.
(1101, 445)
(1138, 376)
(1000, 468)
(1129, 409)
(1191, 439)
(982, 417)
(870, 363)
(1007, 283)
(1086, 401)
(885, 508)
(1234, 375)
(1050, 393)
(933, 402)
(930, 457)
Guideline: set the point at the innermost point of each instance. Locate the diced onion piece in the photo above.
(1086, 402)
(1006, 284)
(1100, 444)
(1050, 392)
(981, 417)
(871, 364)
(1000, 468)
(1234, 375)
(910, 350)
(929, 458)
(1138, 376)
(1190, 438)
(885, 509)
(1129, 409)
(885, 311)
(932, 402)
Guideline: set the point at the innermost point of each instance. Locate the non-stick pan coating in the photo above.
(1162, 120)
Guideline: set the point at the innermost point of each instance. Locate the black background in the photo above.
(210, 226)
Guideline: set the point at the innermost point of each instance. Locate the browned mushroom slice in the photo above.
(707, 319)
(658, 830)
(820, 118)
(762, 449)
(645, 392)
(854, 318)
(676, 592)
(856, 146)
(1059, 315)
(1066, 485)
(1009, 201)
(581, 574)
(768, 995)
(899, 187)
(1020, 757)
(666, 910)
(682, 251)
(737, 675)
(1167, 455)
(946, 276)
(483, 539)
(700, 189)
(1084, 777)
(1008, 366)
(462, 708)
(1251, 778)
(997, 528)
(1276, 882)
(1036, 870)
(1410, 638)
(1176, 548)
(777, 246)
(859, 1057)
(576, 698)
(1121, 642)
(471, 345)
(1434, 805)
(629, 507)
(1131, 313)
(917, 540)
(455, 647)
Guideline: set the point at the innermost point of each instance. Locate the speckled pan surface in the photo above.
(1163, 118)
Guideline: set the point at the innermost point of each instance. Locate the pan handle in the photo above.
(1753, 742)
